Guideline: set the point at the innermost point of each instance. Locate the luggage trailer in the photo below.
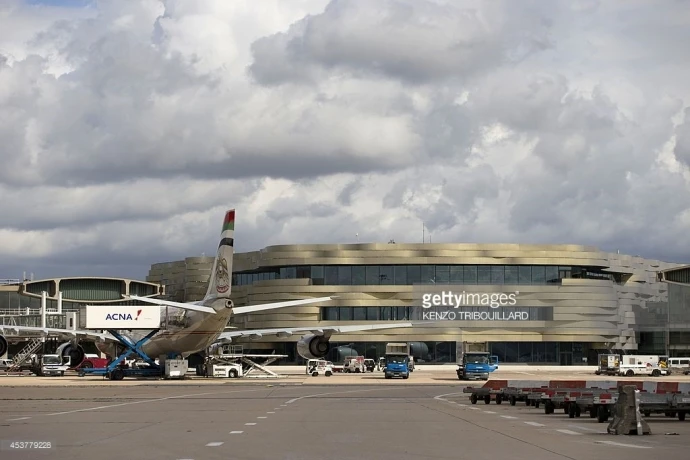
(598, 403)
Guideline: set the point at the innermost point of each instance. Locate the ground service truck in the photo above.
(397, 360)
(476, 365)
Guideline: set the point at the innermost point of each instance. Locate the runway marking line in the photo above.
(262, 417)
(214, 444)
(535, 424)
(489, 412)
(15, 419)
(341, 393)
(569, 432)
(141, 402)
(270, 412)
(620, 444)
(509, 417)
(250, 424)
(236, 432)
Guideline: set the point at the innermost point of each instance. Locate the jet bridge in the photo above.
(253, 366)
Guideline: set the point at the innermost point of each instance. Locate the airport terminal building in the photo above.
(557, 304)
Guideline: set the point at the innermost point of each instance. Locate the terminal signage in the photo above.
(122, 317)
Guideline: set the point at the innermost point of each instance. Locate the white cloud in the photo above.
(127, 128)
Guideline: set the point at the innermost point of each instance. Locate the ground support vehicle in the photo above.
(476, 365)
(370, 365)
(598, 403)
(116, 371)
(251, 365)
(484, 394)
(231, 371)
(354, 364)
(316, 367)
(47, 365)
(397, 360)
(609, 364)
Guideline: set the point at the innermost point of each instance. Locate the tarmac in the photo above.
(282, 420)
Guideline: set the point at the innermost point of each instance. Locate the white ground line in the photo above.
(620, 444)
(270, 412)
(250, 423)
(569, 432)
(489, 412)
(440, 397)
(236, 432)
(509, 417)
(262, 417)
(142, 402)
(15, 419)
(535, 424)
(341, 393)
(214, 444)
(577, 427)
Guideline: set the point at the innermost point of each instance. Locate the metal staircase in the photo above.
(21, 357)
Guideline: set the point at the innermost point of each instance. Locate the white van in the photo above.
(5, 363)
(679, 365)
(653, 365)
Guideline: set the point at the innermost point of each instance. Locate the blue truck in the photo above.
(397, 360)
(476, 365)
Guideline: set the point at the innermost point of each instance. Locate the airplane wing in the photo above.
(325, 330)
(169, 303)
(238, 310)
(271, 306)
(41, 331)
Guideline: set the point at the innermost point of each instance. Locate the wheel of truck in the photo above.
(593, 412)
(656, 373)
(566, 408)
(487, 399)
(537, 403)
(405, 377)
(314, 374)
(681, 416)
(499, 399)
(459, 376)
(629, 373)
(473, 398)
(648, 413)
(548, 407)
(571, 410)
(512, 400)
(602, 414)
(357, 371)
(578, 411)
(86, 365)
(232, 373)
(62, 373)
(528, 402)
(329, 373)
(117, 374)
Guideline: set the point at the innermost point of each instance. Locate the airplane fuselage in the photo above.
(183, 332)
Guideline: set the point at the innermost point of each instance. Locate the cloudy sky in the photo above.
(127, 128)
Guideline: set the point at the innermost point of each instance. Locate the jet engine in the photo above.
(313, 347)
(3, 345)
(71, 353)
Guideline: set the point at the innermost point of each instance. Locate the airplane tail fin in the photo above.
(219, 285)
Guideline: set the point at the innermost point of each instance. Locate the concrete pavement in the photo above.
(308, 422)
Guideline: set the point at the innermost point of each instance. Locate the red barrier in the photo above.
(568, 384)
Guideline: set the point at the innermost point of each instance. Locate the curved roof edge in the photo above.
(52, 288)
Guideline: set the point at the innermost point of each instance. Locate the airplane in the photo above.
(196, 326)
